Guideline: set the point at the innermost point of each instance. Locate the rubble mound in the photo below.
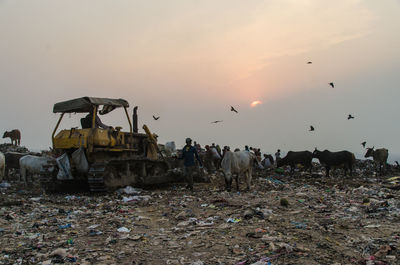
(13, 148)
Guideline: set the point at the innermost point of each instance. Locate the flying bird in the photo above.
(309, 62)
(156, 118)
(350, 117)
(233, 109)
(332, 84)
(311, 128)
(364, 143)
(216, 121)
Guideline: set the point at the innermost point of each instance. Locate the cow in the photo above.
(2, 166)
(12, 161)
(212, 158)
(293, 158)
(380, 157)
(335, 159)
(240, 162)
(30, 165)
(14, 135)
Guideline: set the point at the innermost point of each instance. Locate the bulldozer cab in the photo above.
(92, 136)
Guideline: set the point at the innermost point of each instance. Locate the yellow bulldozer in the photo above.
(101, 158)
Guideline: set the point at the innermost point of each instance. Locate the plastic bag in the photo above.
(80, 161)
(64, 166)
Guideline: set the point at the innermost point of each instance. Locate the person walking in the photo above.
(189, 153)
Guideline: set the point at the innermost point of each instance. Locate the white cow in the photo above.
(30, 165)
(2, 166)
(237, 163)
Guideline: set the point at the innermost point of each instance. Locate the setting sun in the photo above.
(255, 103)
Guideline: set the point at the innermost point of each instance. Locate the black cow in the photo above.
(293, 158)
(335, 159)
(12, 161)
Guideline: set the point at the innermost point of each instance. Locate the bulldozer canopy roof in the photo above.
(85, 104)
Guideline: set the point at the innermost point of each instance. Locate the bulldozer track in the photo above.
(99, 172)
(96, 178)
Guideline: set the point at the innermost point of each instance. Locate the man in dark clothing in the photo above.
(87, 122)
(188, 155)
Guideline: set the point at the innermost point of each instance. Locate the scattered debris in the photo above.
(299, 219)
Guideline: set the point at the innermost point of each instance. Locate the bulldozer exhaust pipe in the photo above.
(135, 120)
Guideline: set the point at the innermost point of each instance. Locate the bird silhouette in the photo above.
(216, 121)
(364, 143)
(156, 118)
(233, 109)
(332, 84)
(350, 117)
(309, 62)
(311, 128)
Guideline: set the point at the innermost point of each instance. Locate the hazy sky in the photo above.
(189, 60)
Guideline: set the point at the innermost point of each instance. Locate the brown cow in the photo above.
(15, 136)
(380, 157)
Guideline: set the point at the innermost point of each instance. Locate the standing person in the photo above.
(218, 150)
(278, 155)
(246, 148)
(198, 148)
(188, 154)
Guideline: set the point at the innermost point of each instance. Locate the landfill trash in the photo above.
(372, 226)
(65, 226)
(59, 252)
(273, 180)
(123, 230)
(250, 213)
(233, 220)
(284, 202)
(80, 160)
(129, 190)
(136, 198)
(93, 226)
(71, 259)
(335, 220)
(299, 225)
(5, 185)
(95, 232)
(13, 148)
(64, 172)
(71, 197)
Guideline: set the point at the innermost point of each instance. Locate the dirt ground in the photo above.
(337, 220)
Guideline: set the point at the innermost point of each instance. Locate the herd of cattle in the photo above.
(230, 164)
(242, 162)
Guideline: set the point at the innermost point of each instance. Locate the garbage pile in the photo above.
(13, 148)
(285, 219)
